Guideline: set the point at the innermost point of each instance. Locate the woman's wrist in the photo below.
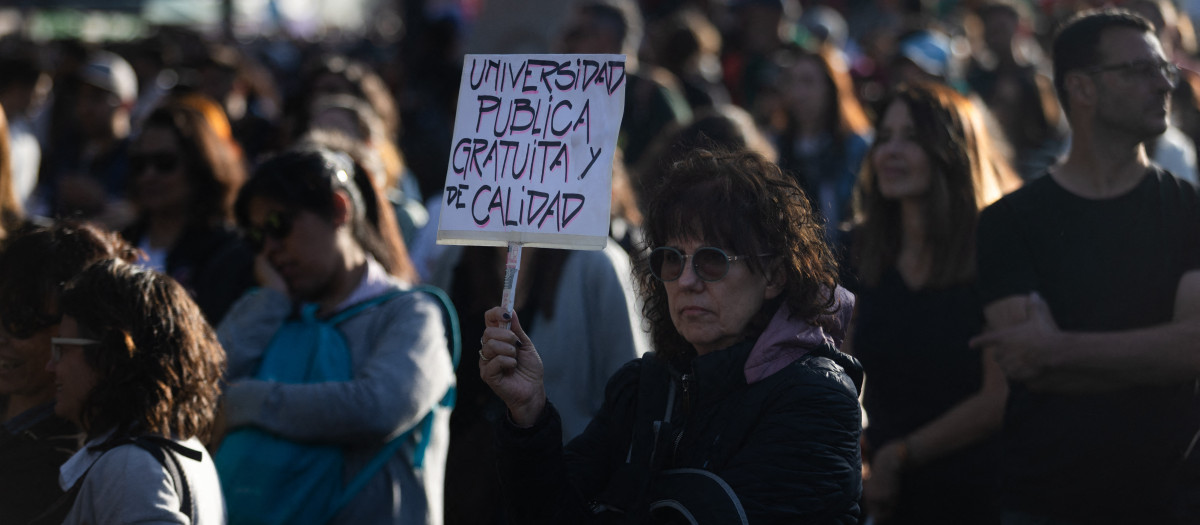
(526, 415)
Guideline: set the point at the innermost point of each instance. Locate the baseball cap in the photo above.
(929, 50)
(110, 72)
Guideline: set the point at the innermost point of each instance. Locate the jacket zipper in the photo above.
(687, 410)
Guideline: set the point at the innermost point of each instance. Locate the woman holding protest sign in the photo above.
(360, 435)
(745, 411)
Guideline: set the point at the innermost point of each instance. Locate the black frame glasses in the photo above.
(710, 263)
(1141, 68)
(277, 225)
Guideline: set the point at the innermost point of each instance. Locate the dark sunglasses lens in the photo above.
(666, 263)
(278, 225)
(711, 263)
(161, 162)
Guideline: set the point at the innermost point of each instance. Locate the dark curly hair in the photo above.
(38, 260)
(742, 202)
(158, 363)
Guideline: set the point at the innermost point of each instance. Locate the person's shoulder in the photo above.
(127, 460)
(1021, 200)
(1174, 185)
(819, 374)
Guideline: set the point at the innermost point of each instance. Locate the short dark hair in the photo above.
(1077, 43)
(622, 17)
(740, 201)
(158, 364)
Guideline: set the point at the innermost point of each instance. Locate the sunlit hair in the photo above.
(369, 129)
(37, 260)
(306, 177)
(369, 178)
(11, 213)
(966, 175)
(158, 364)
(214, 168)
(742, 203)
(844, 115)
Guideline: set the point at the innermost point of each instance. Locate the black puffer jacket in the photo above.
(781, 450)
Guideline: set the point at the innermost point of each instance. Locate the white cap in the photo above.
(110, 72)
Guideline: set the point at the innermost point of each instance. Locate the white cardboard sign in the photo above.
(533, 150)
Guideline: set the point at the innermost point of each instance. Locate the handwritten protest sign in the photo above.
(533, 151)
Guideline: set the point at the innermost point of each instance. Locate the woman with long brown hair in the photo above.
(825, 132)
(931, 400)
(183, 178)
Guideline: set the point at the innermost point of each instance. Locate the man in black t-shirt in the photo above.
(1091, 281)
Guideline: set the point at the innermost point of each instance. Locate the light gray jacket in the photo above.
(402, 369)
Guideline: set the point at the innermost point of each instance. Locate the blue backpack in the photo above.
(267, 479)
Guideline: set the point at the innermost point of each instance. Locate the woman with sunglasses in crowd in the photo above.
(304, 215)
(183, 178)
(744, 413)
(34, 442)
(932, 401)
(138, 369)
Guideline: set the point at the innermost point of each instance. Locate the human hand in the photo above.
(266, 275)
(881, 490)
(1027, 349)
(510, 365)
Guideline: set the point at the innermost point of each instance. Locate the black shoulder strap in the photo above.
(155, 445)
(167, 453)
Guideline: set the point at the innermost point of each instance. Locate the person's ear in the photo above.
(1081, 89)
(776, 282)
(343, 208)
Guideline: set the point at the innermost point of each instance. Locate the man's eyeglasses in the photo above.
(710, 263)
(161, 162)
(277, 225)
(57, 342)
(1142, 69)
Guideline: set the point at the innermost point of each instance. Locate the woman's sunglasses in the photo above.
(277, 225)
(710, 263)
(161, 162)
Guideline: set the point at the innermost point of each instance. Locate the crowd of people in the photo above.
(869, 262)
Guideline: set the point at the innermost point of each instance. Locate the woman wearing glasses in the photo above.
(34, 443)
(304, 215)
(931, 400)
(138, 369)
(183, 178)
(744, 413)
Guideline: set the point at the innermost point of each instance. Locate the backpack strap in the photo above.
(167, 453)
(164, 450)
(454, 342)
(358, 307)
